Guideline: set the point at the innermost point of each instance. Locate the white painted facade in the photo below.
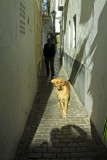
(54, 7)
(84, 47)
(17, 72)
(57, 20)
(47, 26)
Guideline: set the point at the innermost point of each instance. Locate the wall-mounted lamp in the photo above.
(53, 13)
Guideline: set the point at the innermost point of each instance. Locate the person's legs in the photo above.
(52, 66)
(47, 65)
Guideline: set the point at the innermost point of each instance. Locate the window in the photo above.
(74, 31)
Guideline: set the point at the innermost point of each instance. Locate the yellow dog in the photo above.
(63, 93)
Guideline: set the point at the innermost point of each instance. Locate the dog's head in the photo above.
(59, 83)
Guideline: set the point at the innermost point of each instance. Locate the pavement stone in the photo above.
(48, 136)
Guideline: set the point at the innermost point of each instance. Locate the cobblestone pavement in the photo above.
(48, 136)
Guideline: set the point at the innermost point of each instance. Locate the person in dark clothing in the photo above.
(49, 54)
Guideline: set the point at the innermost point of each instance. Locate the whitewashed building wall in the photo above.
(84, 25)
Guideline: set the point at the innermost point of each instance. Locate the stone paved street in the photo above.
(48, 136)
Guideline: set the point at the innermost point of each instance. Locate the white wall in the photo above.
(17, 73)
(57, 20)
(86, 64)
(96, 70)
(54, 7)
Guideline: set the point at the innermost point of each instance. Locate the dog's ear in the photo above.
(53, 81)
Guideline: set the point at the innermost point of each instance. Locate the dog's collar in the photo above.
(59, 89)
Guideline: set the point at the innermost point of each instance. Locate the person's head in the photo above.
(49, 41)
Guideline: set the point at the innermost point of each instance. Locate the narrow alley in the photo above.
(72, 35)
(48, 136)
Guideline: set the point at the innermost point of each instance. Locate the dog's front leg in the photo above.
(58, 104)
(62, 107)
(65, 109)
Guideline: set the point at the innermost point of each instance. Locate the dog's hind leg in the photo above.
(68, 101)
(61, 103)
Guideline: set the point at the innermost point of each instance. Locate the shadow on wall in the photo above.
(77, 66)
(69, 142)
(98, 84)
(86, 11)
